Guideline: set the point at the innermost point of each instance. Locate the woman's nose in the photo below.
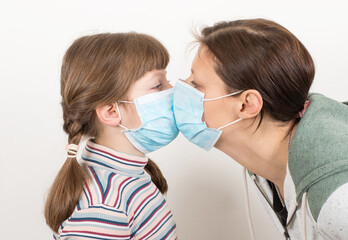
(187, 80)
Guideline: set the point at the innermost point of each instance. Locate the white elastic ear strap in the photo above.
(231, 94)
(118, 109)
(71, 150)
(119, 112)
(230, 123)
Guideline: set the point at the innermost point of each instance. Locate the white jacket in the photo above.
(332, 221)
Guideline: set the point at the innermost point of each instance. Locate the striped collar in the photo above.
(96, 155)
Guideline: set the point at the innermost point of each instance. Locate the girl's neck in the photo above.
(115, 139)
(263, 152)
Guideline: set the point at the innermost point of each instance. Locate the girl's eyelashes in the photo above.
(157, 86)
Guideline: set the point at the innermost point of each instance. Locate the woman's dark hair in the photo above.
(262, 55)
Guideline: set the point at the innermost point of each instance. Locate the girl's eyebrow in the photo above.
(159, 75)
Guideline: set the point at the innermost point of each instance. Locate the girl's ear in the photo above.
(250, 104)
(109, 115)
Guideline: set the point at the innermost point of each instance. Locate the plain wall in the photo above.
(205, 188)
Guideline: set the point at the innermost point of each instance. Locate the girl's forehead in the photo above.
(145, 83)
(152, 75)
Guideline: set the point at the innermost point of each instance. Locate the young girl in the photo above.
(114, 90)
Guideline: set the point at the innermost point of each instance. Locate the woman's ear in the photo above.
(109, 115)
(251, 104)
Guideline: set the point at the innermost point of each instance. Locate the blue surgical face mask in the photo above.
(158, 126)
(188, 110)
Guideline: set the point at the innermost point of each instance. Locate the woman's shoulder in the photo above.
(318, 157)
(332, 218)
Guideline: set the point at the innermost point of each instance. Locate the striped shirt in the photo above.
(119, 202)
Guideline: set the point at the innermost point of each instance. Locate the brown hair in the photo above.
(262, 55)
(96, 70)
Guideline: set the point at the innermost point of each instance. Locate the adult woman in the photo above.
(114, 90)
(251, 78)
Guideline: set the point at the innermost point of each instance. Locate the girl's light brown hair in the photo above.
(261, 54)
(97, 70)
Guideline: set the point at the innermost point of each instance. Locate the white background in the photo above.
(206, 193)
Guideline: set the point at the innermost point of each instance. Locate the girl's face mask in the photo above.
(158, 126)
(188, 111)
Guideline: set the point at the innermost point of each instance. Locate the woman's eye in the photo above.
(157, 86)
(194, 84)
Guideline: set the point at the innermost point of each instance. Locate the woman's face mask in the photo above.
(188, 111)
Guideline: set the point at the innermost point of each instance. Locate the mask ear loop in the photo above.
(230, 123)
(119, 112)
(231, 94)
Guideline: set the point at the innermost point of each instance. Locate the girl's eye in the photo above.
(157, 86)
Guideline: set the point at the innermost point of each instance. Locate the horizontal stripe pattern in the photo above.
(119, 202)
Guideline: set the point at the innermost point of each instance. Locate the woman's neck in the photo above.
(263, 152)
(115, 139)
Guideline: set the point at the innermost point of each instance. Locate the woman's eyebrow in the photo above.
(194, 78)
